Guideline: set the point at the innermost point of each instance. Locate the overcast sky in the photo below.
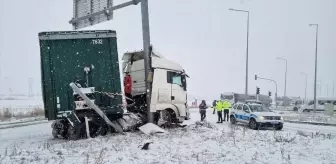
(207, 39)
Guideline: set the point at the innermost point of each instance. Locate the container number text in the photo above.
(97, 41)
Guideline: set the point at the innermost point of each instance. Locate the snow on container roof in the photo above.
(57, 35)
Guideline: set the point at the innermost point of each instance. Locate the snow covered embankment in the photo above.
(196, 143)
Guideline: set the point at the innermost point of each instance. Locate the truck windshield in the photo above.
(228, 97)
(258, 108)
(177, 80)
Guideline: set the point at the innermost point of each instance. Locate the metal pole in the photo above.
(146, 47)
(276, 88)
(285, 80)
(305, 85)
(333, 88)
(285, 76)
(247, 49)
(276, 94)
(315, 66)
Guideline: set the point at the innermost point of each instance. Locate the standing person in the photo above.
(226, 106)
(214, 106)
(202, 109)
(219, 108)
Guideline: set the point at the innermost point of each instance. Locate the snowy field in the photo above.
(22, 103)
(20, 108)
(210, 143)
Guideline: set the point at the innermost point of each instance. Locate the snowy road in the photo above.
(193, 144)
(288, 127)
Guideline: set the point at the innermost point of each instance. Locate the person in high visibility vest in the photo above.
(226, 107)
(219, 108)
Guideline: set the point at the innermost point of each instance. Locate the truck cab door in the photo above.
(178, 92)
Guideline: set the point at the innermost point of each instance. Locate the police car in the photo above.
(255, 115)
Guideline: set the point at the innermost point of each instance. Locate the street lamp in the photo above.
(305, 85)
(316, 25)
(247, 43)
(285, 75)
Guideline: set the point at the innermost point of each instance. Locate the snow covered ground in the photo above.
(20, 108)
(318, 117)
(208, 143)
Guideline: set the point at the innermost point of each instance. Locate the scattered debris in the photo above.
(151, 129)
(146, 146)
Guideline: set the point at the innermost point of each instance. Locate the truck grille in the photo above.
(272, 117)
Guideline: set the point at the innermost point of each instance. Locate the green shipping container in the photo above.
(65, 55)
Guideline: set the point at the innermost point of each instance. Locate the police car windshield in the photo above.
(258, 108)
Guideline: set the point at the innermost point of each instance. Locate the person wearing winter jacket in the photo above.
(202, 109)
(214, 106)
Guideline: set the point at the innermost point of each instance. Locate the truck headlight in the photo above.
(261, 117)
(281, 118)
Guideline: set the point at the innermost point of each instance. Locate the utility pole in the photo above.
(305, 85)
(285, 77)
(316, 25)
(147, 55)
(247, 48)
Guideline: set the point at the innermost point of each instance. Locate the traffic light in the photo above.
(258, 90)
(255, 77)
(269, 93)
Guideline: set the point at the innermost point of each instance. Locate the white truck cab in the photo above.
(255, 115)
(169, 85)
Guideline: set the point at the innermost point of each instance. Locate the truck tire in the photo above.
(168, 119)
(55, 132)
(75, 133)
(253, 124)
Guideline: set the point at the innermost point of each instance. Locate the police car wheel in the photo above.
(233, 120)
(279, 127)
(253, 124)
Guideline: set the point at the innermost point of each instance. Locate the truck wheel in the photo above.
(102, 130)
(55, 133)
(233, 120)
(305, 110)
(167, 117)
(253, 124)
(74, 133)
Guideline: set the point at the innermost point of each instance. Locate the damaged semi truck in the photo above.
(82, 90)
